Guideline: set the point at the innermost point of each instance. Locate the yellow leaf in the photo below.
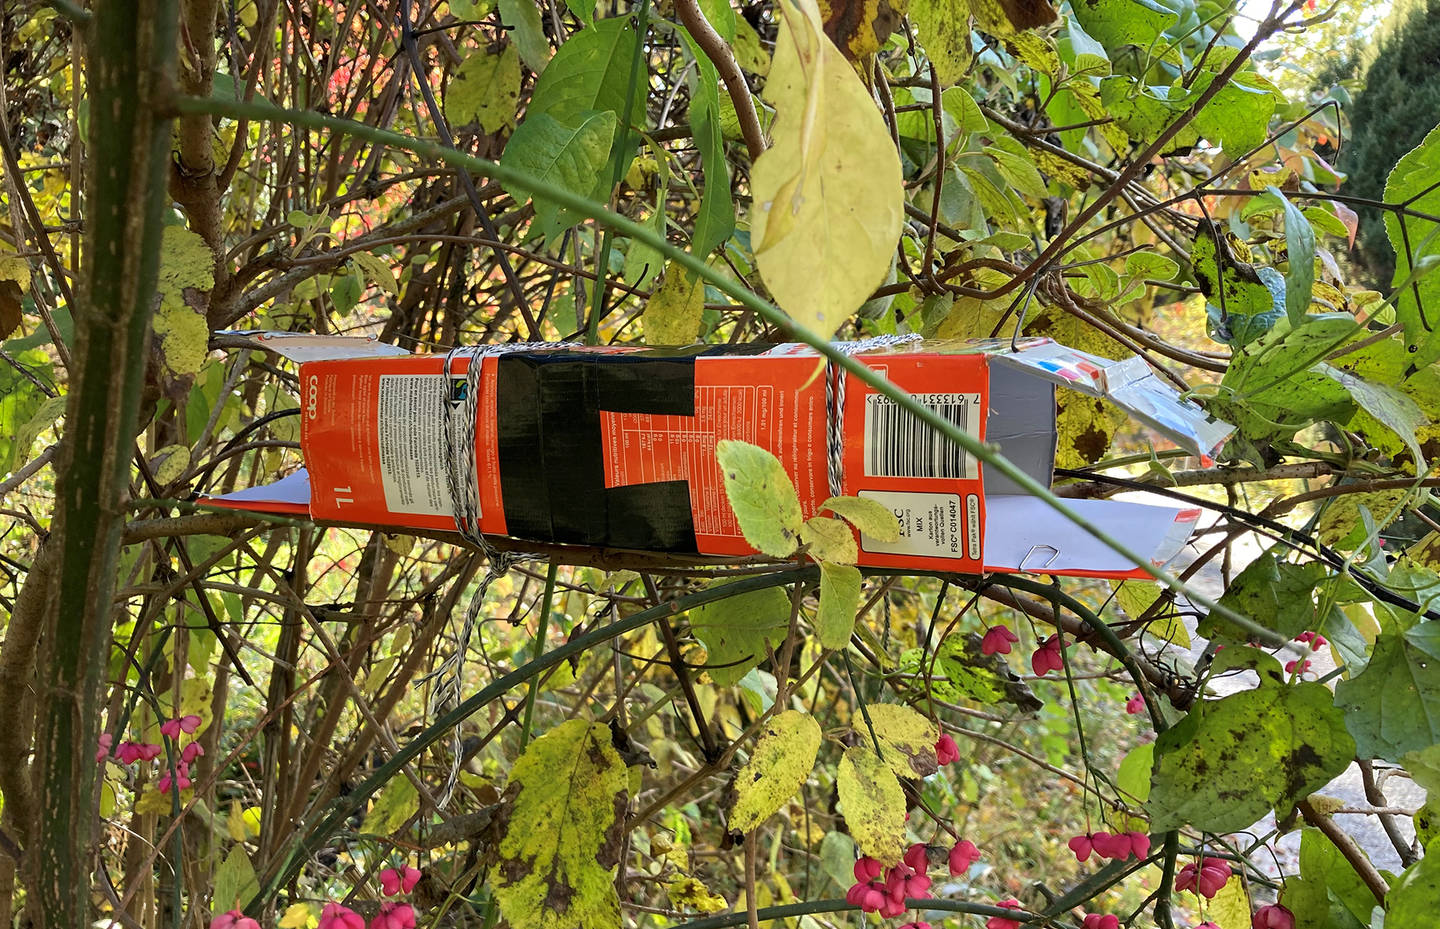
(1230, 908)
(689, 892)
(561, 846)
(839, 598)
(829, 540)
(484, 89)
(782, 759)
(397, 802)
(873, 803)
(174, 459)
(749, 53)
(944, 28)
(828, 195)
(14, 268)
(1135, 597)
(297, 916)
(872, 518)
(907, 738)
(672, 315)
(860, 27)
(184, 337)
(235, 822)
(762, 496)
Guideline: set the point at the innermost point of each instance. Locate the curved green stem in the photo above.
(770, 913)
(333, 817)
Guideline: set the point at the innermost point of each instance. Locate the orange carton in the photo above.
(615, 448)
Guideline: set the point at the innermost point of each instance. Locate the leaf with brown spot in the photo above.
(561, 844)
(860, 27)
(10, 315)
(1231, 760)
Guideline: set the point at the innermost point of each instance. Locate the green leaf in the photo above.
(1086, 55)
(1393, 706)
(672, 314)
(1300, 246)
(1328, 894)
(873, 803)
(762, 497)
(485, 89)
(828, 195)
(235, 881)
(839, 598)
(522, 18)
(1270, 389)
(715, 220)
(643, 263)
(1116, 23)
(962, 672)
(736, 631)
(1417, 306)
(907, 738)
(397, 802)
(1142, 111)
(1019, 171)
(830, 540)
(782, 759)
(720, 17)
(1151, 265)
(1243, 301)
(870, 517)
(1230, 760)
(837, 857)
(562, 157)
(584, 10)
(1388, 405)
(1133, 776)
(1238, 117)
(1414, 899)
(591, 72)
(1276, 594)
(346, 289)
(562, 843)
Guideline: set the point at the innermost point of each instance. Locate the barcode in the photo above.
(899, 445)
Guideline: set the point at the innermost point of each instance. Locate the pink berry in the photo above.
(1273, 916)
(338, 916)
(998, 640)
(1082, 846)
(962, 856)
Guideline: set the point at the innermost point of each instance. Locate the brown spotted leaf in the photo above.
(907, 738)
(1229, 761)
(562, 843)
(860, 27)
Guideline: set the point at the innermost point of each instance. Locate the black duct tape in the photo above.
(551, 449)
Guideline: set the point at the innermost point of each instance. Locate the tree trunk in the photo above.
(131, 79)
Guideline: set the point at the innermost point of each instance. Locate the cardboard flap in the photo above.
(1130, 385)
(290, 494)
(306, 346)
(1024, 533)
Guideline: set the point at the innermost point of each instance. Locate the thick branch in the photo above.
(720, 55)
(132, 66)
